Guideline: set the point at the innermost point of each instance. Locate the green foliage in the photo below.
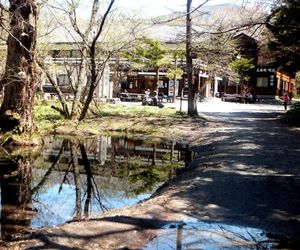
(43, 111)
(20, 142)
(216, 50)
(242, 66)
(178, 54)
(284, 27)
(293, 115)
(148, 52)
(145, 177)
(46, 117)
(174, 72)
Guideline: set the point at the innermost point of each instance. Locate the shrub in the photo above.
(293, 115)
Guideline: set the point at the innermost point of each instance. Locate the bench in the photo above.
(239, 98)
(232, 98)
(165, 98)
(131, 97)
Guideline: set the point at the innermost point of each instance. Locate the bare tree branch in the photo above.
(181, 16)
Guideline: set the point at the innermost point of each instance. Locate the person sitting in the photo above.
(147, 93)
(155, 99)
(254, 98)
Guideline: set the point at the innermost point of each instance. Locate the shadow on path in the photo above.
(247, 172)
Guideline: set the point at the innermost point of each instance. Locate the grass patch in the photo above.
(106, 118)
(104, 110)
(19, 140)
(47, 118)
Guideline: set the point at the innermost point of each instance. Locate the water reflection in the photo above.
(72, 179)
(193, 234)
(16, 204)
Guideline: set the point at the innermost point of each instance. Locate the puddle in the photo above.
(76, 179)
(209, 236)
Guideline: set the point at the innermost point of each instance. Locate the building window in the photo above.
(63, 80)
(262, 82)
(75, 53)
(55, 53)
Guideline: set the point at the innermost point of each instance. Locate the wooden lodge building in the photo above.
(266, 81)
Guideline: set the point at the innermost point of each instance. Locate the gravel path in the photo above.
(252, 174)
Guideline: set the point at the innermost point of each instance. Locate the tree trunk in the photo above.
(237, 88)
(91, 50)
(157, 81)
(89, 180)
(76, 171)
(174, 88)
(87, 102)
(179, 239)
(192, 101)
(61, 97)
(94, 82)
(20, 78)
(174, 84)
(80, 82)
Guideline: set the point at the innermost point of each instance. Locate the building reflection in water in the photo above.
(72, 179)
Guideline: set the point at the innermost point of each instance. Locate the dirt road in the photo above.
(245, 173)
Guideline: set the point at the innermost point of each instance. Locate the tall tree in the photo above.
(96, 70)
(174, 72)
(150, 53)
(242, 67)
(20, 77)
(216, 50)
(90, 70)
(88, 50)
(101, 39)
(192, 86)
(284, 26)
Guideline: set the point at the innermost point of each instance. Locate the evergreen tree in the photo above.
(284, 26)
(149, 53)
(242, 67)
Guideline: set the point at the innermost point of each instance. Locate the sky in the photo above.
(161, 7)
(149, 8)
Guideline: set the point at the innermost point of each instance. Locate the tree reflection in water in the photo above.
(16, 203)
(72, 179)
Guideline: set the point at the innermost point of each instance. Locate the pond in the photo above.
(73, 179)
